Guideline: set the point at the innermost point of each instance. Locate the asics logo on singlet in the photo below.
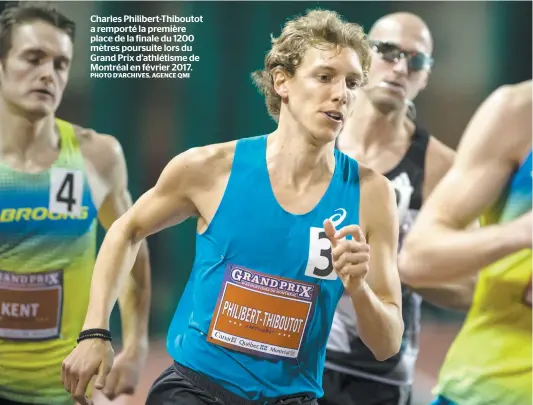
(338, 218)
(38, 214)
(319, 263)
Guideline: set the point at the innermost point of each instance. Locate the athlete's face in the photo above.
(35, 71)
(401, 64)
(321, 93)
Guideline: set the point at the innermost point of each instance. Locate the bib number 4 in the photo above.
(66, 188)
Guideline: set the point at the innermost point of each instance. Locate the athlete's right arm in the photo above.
(168, 203)
(440, 248)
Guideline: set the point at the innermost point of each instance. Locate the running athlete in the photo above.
(490, 360)
(55, 180)
(286, 223)
(379, 134)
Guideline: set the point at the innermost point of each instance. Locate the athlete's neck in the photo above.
(368, 128)
(19, 134)
(298, 159)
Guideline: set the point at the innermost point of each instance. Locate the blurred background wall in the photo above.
(478, 46)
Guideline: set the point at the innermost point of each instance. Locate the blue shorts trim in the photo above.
(440, 400)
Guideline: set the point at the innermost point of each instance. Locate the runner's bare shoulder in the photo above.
(371, 180)
(512, 103)
(377, 199)
(519, 99)
(502, 123)
(103, 151)
(206, 165)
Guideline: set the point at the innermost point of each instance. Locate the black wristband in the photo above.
(103, 334)
(93, 331)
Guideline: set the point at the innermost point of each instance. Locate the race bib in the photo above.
(66, 191)
(30, 305)
(260, 314)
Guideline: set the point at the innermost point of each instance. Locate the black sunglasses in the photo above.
(390, 52)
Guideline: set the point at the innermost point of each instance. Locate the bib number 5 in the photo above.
(66, 189)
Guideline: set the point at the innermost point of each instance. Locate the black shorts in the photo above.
(345, 389)
(4, 401)
(178, 385)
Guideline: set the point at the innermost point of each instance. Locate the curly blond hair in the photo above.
(318, 28)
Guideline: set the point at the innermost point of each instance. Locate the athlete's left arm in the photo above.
(378, 305)
(134, 299)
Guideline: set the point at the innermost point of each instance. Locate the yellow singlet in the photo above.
(490, 363)
(47, 253)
